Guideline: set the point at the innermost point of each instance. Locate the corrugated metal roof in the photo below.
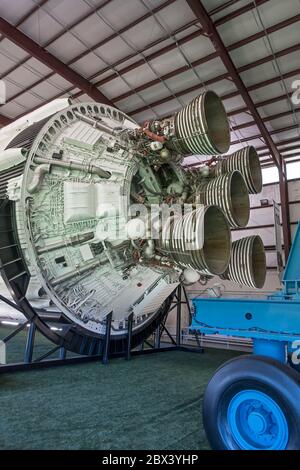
(147, 56)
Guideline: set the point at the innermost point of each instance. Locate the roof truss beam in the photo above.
(152, 56)
(4, 121)
(209, 27)
(27, 44)
(203, 60)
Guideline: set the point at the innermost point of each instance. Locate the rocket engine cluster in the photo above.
(99, 217)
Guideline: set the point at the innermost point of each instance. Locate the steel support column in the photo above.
(30, 343)
(178, 317)
(157, 336)
(107, 339)
(129, 337)
(62, 353)
(285, 213)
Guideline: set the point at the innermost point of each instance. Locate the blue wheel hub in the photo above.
(257, 422)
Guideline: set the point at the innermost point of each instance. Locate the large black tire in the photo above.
(253, 402)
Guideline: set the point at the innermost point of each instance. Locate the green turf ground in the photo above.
(150, 402)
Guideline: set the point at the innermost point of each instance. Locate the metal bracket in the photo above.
(107, 338)
(129, 337)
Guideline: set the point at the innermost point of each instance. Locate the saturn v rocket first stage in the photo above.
(99, 217)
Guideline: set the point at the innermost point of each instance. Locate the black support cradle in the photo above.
(149, 345)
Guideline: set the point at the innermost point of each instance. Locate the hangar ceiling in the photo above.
(149, 57)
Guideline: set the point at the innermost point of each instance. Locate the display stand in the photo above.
(148, 346)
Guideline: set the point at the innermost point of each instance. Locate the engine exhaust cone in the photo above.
(247, 262)
(230, 193)
(214, 256)
(202, 126)
(247, 162)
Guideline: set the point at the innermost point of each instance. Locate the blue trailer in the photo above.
(253, 401)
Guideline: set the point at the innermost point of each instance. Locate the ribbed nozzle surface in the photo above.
(202, 126)
(247, 162)
(230, 193)
(247, 262)
(212, 227)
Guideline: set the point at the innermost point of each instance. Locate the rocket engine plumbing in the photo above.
(100, 217)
